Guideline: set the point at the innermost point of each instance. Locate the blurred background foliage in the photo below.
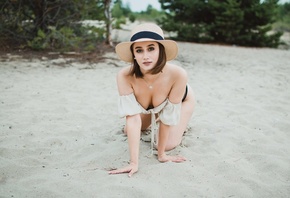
(236, 22)
(61, 25)
(51, 24)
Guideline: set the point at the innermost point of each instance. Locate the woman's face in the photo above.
(146, 54)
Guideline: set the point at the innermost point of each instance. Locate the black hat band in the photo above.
(146, 34)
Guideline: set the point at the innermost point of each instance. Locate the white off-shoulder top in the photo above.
(169, 113)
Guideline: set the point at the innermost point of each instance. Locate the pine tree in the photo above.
(228, 21)
(240, 22)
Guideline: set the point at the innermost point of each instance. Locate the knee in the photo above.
(172, 145)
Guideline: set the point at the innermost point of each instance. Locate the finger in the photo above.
(118, 171)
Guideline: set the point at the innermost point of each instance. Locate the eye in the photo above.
(138, 50)
(151, 49)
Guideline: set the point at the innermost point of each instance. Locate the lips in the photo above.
(147, 63)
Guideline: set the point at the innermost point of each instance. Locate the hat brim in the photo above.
(124, 53)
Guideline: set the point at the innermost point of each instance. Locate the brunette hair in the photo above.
(155, 70)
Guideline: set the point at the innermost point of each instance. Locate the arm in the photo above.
(133, 127)
(175, 96)
(133, 132)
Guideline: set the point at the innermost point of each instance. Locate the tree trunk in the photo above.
(107, 5)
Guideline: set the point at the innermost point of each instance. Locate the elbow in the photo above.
(133, 120)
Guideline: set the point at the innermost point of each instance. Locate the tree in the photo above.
(228, 21)
(37, 14)
(258, 18)
(120, 10)
(241, 22)
(120, 13)
(283, 18)
(50, 24)
(107, 5)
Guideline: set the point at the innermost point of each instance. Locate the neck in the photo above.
(150, 76)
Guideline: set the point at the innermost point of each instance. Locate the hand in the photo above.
(167, 158)
(131, 169)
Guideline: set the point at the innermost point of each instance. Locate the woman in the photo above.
(152, 90)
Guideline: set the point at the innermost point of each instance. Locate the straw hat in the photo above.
(146, 32)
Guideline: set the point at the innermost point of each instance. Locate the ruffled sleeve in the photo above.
(170, 114)
(128, 105)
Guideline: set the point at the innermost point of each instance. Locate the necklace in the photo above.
(150, 86)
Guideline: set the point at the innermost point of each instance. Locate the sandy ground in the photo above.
(60, 132)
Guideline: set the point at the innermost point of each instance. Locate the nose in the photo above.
(145, 56)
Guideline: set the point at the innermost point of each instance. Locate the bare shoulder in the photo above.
(176, 71)
(124, 81)
(123, 73)
(179, 79)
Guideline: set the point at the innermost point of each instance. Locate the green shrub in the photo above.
(67, 39)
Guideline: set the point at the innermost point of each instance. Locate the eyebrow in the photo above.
(150, 45)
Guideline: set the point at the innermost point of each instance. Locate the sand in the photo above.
(60, 131)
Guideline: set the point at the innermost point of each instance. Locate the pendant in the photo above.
(150, 87)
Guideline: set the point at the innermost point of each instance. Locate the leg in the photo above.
(176, 132)
(146, 121)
